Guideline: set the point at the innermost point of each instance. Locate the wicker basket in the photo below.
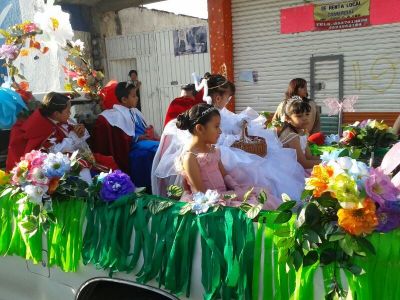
(251, 144)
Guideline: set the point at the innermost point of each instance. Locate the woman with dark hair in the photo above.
(298, 87)
(278, 171)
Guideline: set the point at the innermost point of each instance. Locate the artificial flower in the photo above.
(37, 177)
(4, 178)
(378, 125)
(35, 193)
(24, 52)
(202, 202)
(330, 156)
(359, 220)
(30, 27)
(359, 171)
(317, 138)
(319, 180)
(380, 187)
(388, 219)
(332, 139)
(53, 185)
(116, 185)
(81, 81)
(348, 135)
(54, 23)
(9, 52)
(78, 44)
(56, 165)
(35, 158)
(345, 189)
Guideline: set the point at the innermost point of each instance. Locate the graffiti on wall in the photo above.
(379, 77)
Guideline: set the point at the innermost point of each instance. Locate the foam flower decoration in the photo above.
(56, 165)
(330, 156)
(359, 221)
(8, 51)
(54, 23)
(35, 193)
(203, 201)
(37, 177)
(388, 219)
(4, 178)
(319, 180)
(345, 189)
(116, 185)
(378, 125)
(19, 173)
(380, 187)
(332, 139)
(348, 135)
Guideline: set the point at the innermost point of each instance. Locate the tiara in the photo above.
(218, 86)
(290, 101)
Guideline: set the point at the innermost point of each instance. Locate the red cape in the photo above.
(180, 105)
(112, 141)
(30, 134)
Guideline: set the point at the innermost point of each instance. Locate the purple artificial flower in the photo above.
(388, 219)
(8, 51)
(116, 185)
(380, 188)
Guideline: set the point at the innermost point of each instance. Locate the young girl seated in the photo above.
(293, 133)
(50, 128)
(123, 133)
(201, 163)
(278, 171)
(298, 87)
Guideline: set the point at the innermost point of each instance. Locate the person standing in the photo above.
(133, 75)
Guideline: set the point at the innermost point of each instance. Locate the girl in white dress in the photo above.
(278, 171)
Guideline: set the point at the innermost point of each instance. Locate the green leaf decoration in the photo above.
(336, 237)
(51, 218)
(310, 259)
(363, 243)
(283, 231)
(174, 191)
(327, 256)
(36, 210)
(132, 208)
(297, 259)
(262, 197)
(285, 197)
(312, 214)
(254, 211)
(6, 192)
(247, 195)
(356, 270)
(287, 205)
(185, 209)
(283, 217)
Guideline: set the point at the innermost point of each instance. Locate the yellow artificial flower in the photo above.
(319, 180)
(378, 125)
(345, 189)
(4, 178)
(359, 220)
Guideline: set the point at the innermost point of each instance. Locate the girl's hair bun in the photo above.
(183, 121)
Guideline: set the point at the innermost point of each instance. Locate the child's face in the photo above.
(302, 92)
(131, 101)
(300, 120)
(64, 115)
(211, 131)
(220, 101)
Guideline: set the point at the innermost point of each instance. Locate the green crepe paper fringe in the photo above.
(64, 238)
(238, 261)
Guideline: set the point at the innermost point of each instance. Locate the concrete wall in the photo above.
(137, 20)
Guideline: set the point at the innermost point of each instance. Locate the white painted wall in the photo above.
(371, 58)
(160, 71)
(137, 20)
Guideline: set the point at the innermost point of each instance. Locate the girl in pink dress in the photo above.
(201, 164)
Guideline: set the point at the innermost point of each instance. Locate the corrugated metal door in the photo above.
(161, 72)
(371, 57)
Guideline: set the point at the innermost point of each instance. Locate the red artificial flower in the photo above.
(81, 82)
(317, 138)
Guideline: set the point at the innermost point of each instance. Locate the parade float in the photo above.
(60, 232)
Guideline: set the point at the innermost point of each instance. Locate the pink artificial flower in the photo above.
(37, 177)
(30, 27)
(380, 188)
(8, 51)
(35, 158)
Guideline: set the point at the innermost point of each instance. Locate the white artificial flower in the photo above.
(332, 139)
(35, 193)
(78, 44)
(54, 23)
(202, 202)
(345, 162)
(212, 196)
(359, 170)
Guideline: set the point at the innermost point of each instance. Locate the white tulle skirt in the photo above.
(278, 171)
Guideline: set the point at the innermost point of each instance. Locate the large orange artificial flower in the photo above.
(319, 179)
(359, 220)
